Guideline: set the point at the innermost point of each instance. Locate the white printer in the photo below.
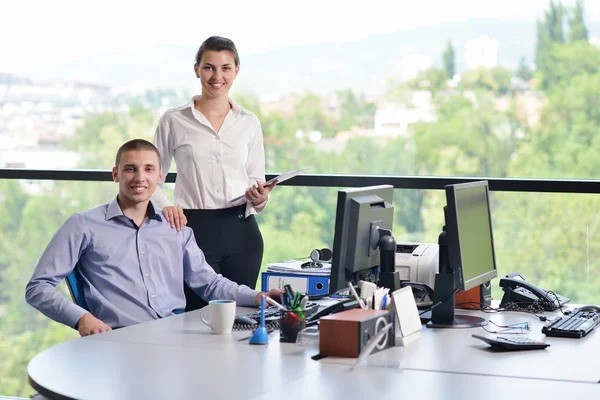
(417, 262)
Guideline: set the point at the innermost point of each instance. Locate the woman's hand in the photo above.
(175, 216)
(258, 193)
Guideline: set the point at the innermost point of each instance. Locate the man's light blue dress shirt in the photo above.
(130, 274)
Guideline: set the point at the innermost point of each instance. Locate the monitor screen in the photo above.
(470, 238)
(359, 214)
(466, 257)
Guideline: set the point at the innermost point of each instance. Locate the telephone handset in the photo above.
(518, 290)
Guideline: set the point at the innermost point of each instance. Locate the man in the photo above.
(132, 262)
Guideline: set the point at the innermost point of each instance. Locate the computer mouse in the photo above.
(589, 308)
(242, 319)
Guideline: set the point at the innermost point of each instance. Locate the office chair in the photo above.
(75, 285)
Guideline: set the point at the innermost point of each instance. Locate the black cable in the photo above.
(442, 301)
(532, 308)
(559, 307)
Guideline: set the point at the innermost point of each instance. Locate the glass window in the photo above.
(437, 88)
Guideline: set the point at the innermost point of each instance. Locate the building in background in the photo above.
(481, 52)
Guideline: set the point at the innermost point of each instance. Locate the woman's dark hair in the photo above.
(218, 43)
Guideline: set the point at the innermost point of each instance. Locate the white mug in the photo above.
(222, 315)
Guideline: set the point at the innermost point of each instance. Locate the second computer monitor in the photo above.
(359, 213)
(470, 238)
(467, 257)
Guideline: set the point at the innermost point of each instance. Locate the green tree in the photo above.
(568, 61)
(433, 79)
(469, 138)
(554, 21)
(353, 111)
(524, 71)
(310, 115)
(448, 58)
(496, 80)
(577, 28)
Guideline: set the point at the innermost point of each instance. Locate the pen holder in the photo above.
(292, 322)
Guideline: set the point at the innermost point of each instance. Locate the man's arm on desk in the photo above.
(90, 325)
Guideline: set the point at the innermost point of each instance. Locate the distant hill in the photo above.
(365, 65)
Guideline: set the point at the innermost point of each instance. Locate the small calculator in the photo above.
(513, 343)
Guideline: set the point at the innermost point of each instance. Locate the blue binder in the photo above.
(312, 285)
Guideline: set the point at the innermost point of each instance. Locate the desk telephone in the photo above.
(518, 290)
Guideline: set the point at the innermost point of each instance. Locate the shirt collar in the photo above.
(235, 107)
(114, 210)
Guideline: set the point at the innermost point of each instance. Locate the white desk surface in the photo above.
(179, 357)
(454, 350)
(384, 383)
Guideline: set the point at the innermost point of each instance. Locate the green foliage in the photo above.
(524, 71)
(496, 80)
(577, 29)
(555, 21)
(470, 138)
(102, 134)
(433, 79)
(448, 59)
(569, 61)
(354, 111)
(551, 51)
(478, 131)
(310, 115)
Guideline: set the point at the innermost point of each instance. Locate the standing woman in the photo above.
(219, 155)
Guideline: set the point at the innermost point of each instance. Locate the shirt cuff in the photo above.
(252, 209)
(247, 297)
(72, 314)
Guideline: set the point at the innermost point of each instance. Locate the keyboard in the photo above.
(272, 313)
(576, 325)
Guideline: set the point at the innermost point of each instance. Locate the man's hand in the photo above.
(175, 216)
(258, 193)
(90, 325)
(275, 294)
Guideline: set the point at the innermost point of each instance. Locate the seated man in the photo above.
(132, 262)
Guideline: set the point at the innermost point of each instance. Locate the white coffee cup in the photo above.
(222, 315)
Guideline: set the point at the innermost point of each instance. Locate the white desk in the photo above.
(454, 350)
(178, 357)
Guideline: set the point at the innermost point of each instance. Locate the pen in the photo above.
(296, 300)
(289, 294)
(274, 303)
(360, 302)
(384, 302)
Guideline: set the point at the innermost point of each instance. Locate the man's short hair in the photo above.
(136, 144)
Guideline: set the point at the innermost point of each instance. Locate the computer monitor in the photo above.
(467, 257)
(364, 217)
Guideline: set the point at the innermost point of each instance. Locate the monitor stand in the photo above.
(443, 315)
(388, 276)
(443, 311)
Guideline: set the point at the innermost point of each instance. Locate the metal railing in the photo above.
(330, 180)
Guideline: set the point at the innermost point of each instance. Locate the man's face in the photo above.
(138, 173)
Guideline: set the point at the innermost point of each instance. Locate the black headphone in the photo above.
(317, 257)
(321, 255)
